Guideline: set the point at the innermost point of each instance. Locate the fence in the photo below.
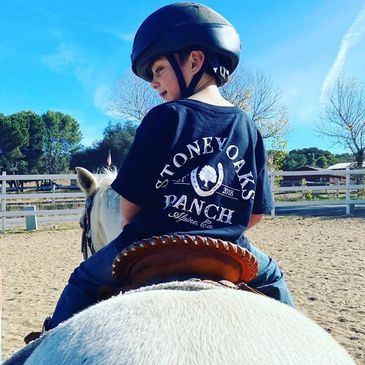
(347, 191)
(344, 190)
(52, 197)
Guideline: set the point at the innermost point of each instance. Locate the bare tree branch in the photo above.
(256, 94)
(239, 89)
(343, 117)
(132, 98)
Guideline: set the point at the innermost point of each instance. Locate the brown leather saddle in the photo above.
(159, 258)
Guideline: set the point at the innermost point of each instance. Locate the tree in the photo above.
(116, 137)
(322, 162)
(311, 156)
(88, 158)
(344, 157)
(32, 149)
(257, 95)
(62, 137)
(132, 98)
(276, 159)
(343, 117)
(12, 138)
(239, 89)
(293, 161)
(11, 135)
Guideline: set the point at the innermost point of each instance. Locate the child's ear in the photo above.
(197, 59)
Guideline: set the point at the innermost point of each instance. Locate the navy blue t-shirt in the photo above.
(195, 168)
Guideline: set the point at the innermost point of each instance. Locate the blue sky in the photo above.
(66, 55)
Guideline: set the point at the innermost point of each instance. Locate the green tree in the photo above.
(117, 138)
(311, 159)
(344, 157)
(62, 138)
(12, 138)
(32, 126)
(294, 161)
(89, 158)
(277, 155)
(322, 162)
(311, 156)
(276, 159)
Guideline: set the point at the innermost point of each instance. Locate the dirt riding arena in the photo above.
(323, 259)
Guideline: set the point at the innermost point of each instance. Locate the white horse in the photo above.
(105, 215)
(190, 322)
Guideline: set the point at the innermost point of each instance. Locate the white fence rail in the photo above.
(348, 188)
(21, 199)
(345, 186)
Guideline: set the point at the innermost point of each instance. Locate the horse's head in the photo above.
(101, 220)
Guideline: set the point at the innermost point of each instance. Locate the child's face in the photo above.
(164, 80)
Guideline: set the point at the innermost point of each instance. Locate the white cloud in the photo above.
(71, 60)
(351, 39)
(92, 76)
(64, 56)
(102, 95)
(127, 37)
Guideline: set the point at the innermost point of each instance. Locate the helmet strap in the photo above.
(220, 72)
(185, 91)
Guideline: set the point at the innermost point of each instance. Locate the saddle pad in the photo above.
(184, 255)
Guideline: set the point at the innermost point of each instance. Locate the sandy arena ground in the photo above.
(323, 259)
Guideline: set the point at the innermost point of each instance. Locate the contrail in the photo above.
(351, 38)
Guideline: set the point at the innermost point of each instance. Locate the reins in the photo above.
(85, 225)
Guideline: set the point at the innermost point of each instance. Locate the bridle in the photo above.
(85, 225)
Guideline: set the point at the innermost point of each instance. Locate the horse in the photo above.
(102, 210)
(180, 322)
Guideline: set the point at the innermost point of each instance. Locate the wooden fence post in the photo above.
(272, 187)
(3, 202)
(1, 306)
(53, 191)
(347, 191)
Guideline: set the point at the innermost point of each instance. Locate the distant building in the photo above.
(327, 178)
(344, 166)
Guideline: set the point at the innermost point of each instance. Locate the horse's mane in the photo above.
(105, 177)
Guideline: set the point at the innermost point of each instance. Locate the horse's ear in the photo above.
(86, 181)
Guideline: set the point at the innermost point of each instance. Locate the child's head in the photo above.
(185, 35)
(164, 78)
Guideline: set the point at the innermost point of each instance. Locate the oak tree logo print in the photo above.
(208, 174)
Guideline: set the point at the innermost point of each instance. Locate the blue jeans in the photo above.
(84, 285)
(269, 280)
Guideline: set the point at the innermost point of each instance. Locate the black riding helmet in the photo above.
(181, 26)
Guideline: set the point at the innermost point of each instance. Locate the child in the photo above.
(197, 165)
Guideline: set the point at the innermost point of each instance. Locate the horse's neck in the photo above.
(106, 221)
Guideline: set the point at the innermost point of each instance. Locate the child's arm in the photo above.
(255, 218)
(128, 210)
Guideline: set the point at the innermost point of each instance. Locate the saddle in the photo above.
(167, 258)
(159, 258)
